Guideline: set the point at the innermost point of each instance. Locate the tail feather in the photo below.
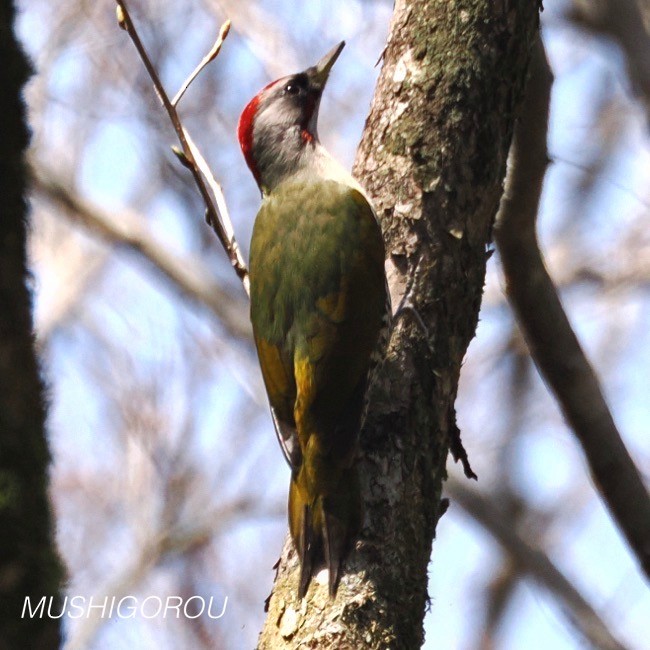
(323, 527)
(305, 548)
(335, 543)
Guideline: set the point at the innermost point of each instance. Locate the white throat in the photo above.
(315, 164)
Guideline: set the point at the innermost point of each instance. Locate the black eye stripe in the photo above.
(296, 85)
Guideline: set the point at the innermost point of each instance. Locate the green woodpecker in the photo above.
(318, 305)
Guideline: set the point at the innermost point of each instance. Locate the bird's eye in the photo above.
(292, 89)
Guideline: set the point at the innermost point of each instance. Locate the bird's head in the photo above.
(277, 130)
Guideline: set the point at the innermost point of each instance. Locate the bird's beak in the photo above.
(320, 72)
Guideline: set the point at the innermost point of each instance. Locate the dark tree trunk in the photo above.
(29, 565)
(433, 158)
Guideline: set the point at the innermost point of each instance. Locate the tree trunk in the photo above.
(28, 562)
(433, 159)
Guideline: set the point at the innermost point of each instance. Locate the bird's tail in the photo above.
(325, 517)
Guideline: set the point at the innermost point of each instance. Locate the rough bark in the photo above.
(433, 159)
(28, 563)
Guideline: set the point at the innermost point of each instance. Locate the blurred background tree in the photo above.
(29, 565)
(167, 477)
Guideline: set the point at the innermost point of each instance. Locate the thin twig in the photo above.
(222, 207)
(188, 275)
(623, 21)
(552, 342)
(208, 58)
(534, 561)
(214, 216)
(264, 35)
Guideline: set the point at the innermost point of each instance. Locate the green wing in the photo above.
(317, 302)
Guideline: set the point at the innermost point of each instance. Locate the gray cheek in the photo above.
(281, 113)
(278, 152)
(277, 140)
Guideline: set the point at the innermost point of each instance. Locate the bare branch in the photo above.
(620, 267)
(622, 21)
(498, 597)
(266, 37)
(187, 275)
(222, 207)
(552, 342)
(213, 214)
(208, 58)
(80, 276)
(536, 563)
(171, 538)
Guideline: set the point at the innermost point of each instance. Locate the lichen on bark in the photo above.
(433, 160)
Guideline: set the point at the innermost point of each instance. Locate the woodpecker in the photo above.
(318, 306)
